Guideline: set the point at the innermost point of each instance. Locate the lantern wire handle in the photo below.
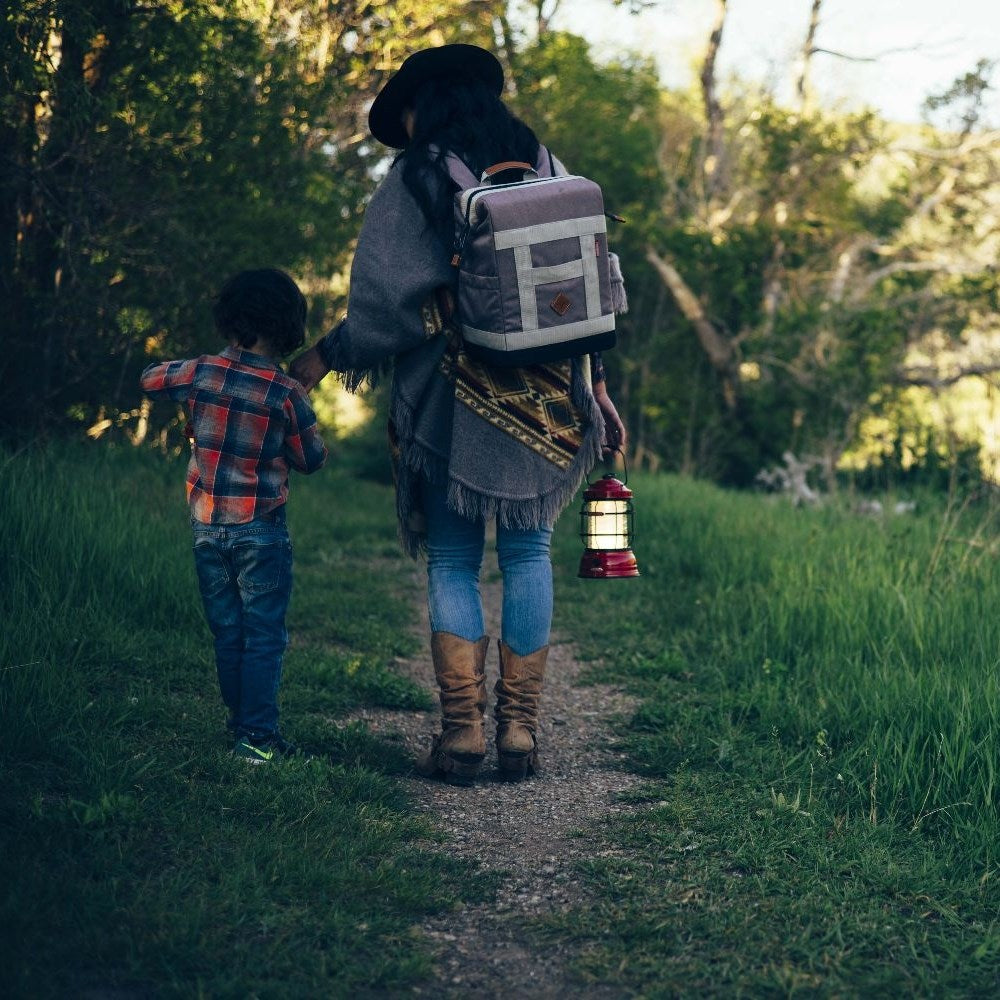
(624, 466)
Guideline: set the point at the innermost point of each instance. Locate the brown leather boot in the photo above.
(460, 668)
(518, 692)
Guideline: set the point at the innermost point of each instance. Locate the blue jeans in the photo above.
(245, 578)
(454, 557)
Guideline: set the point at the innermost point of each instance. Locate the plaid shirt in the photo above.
(251, 422)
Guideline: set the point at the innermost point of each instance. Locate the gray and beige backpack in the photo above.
(534, 274)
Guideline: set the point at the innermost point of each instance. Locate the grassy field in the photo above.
(137, 855)
(818, 729)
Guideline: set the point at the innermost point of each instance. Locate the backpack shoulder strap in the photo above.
(458, 169)
(459, 172)
(545, 165)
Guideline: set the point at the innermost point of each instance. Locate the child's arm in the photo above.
(169, 379)
(304, 448)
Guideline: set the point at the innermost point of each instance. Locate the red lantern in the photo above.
(606, 531)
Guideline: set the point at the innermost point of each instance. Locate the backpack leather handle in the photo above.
(499, 168)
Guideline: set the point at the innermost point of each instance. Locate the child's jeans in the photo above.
(245, 578)
(454, 556)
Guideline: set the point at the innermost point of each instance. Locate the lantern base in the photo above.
(597, 564)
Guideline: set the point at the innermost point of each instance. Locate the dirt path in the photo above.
(527, 831)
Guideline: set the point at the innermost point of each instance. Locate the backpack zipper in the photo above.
(473, 193)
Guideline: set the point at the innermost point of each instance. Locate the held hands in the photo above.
(615, 435)
(309, 369)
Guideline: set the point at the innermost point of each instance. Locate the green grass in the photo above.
(819, 717)
(137, 854)
(818, 730)
(719, 888)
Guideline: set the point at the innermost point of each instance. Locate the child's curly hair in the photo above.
(264, 303)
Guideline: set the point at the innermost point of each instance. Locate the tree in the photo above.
(149, 148)
(806, 251)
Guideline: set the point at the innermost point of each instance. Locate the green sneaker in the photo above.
(252, 753)
(275, 748)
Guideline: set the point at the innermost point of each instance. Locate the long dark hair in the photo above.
(463, 116)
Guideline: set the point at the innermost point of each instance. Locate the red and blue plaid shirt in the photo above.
(250, 422)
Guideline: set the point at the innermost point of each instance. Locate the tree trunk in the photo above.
(712, 161)
(507, 43)
(720, 349)
(18, 224)
(803, 86)
(57, 195)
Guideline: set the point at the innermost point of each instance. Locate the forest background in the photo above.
(818, 726)
(803, 280)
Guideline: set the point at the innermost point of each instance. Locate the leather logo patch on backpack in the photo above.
(560, 304)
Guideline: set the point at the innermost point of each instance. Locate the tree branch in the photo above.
(845, 262)
(818, 50)
(841, 55)
(720, 216)
(720, 350)
(803, 378)
(774, 272)
(969, 144)
(912, 267)
(543, 17)
(930, 378)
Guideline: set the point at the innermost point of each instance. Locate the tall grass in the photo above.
(819, 708)
(138, 857)
(862, 652)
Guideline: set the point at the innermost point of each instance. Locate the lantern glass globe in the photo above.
(607, 524)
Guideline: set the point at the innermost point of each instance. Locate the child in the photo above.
(250, 422)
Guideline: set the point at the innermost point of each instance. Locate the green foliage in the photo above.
(600, 120)
(149, 150)
(968, 92)
(809, 254)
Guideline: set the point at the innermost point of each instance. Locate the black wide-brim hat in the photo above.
(385, 120)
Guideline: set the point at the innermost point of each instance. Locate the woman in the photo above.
(470, 442)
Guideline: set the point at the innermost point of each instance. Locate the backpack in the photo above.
(534, 279)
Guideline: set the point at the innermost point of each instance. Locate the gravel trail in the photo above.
(529, 832)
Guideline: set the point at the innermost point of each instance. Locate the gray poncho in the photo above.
(511, 443)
